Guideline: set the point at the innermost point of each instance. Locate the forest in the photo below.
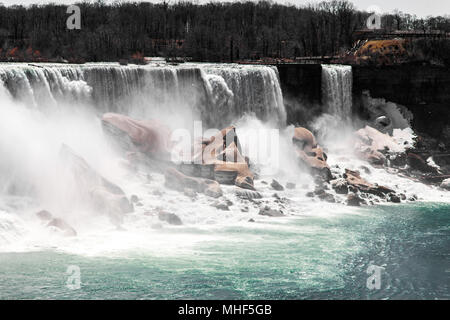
(215, 31)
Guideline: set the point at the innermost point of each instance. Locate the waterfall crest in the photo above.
(337, 84)
(216, 94)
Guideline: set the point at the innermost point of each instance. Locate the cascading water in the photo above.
(315, 249)
(337, 90)
(256, 89)
(215, 94)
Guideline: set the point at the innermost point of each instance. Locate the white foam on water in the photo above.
(54, 105)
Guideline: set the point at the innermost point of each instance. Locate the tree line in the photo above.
(205, 32)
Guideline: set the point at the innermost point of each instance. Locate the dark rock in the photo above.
(63, 226)
(170, 218)
(267, 211)
(251, 220)
(310, 194)
(416, 162)
(248, 194)
(244, 209)
(290, 185)
(365, 169)
(221, 206)
(178, 181)
(445, 184)
(327, 197)
(392, 197)
(354, 180)
(319, 191)
(402, 196)
(44, 215)
(190, 193)
(225, 177)
(354, 200)
(134, 198)
(276, 185)
(340, 186)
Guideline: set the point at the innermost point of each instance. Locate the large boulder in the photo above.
(115, 206)
(150, 137)
(103, 196)
(310, 155)
(176, 180)
(223, 150)
(58, 223)
(304, 139)
(416, 162)
(445, 184)
(355, 180)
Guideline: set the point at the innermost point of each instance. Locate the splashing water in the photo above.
(318, 250)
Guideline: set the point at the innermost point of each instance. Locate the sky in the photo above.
(421, 8)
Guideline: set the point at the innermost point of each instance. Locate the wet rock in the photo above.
(190, 193)
(213, 189)
(354, 200)
(170, 218)
(290, 185)
(327, 197)
(248, 194)
(251, 220)
(445, 184)
(115, 206)
(319, 191)
(224, 152)
(398, 160)
(225, 177)
(340, 186)
(403, 196)
(355, 180)
(228, 202)
(221, 206)
(416, 162)
(275, 195)
(149, 137)
(392, 197)
(44, 215)
(134, 198)
(310, 155)
(365, 169)
(63, 226)
(179, 181)
(276, 185)
(267, 211)
(244, 209)
(310, 194)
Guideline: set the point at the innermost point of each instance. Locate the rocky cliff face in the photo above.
(424, 90)
(301, 86)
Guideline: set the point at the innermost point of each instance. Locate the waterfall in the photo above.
(217, 94)
(337, 90)
(255, 89)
